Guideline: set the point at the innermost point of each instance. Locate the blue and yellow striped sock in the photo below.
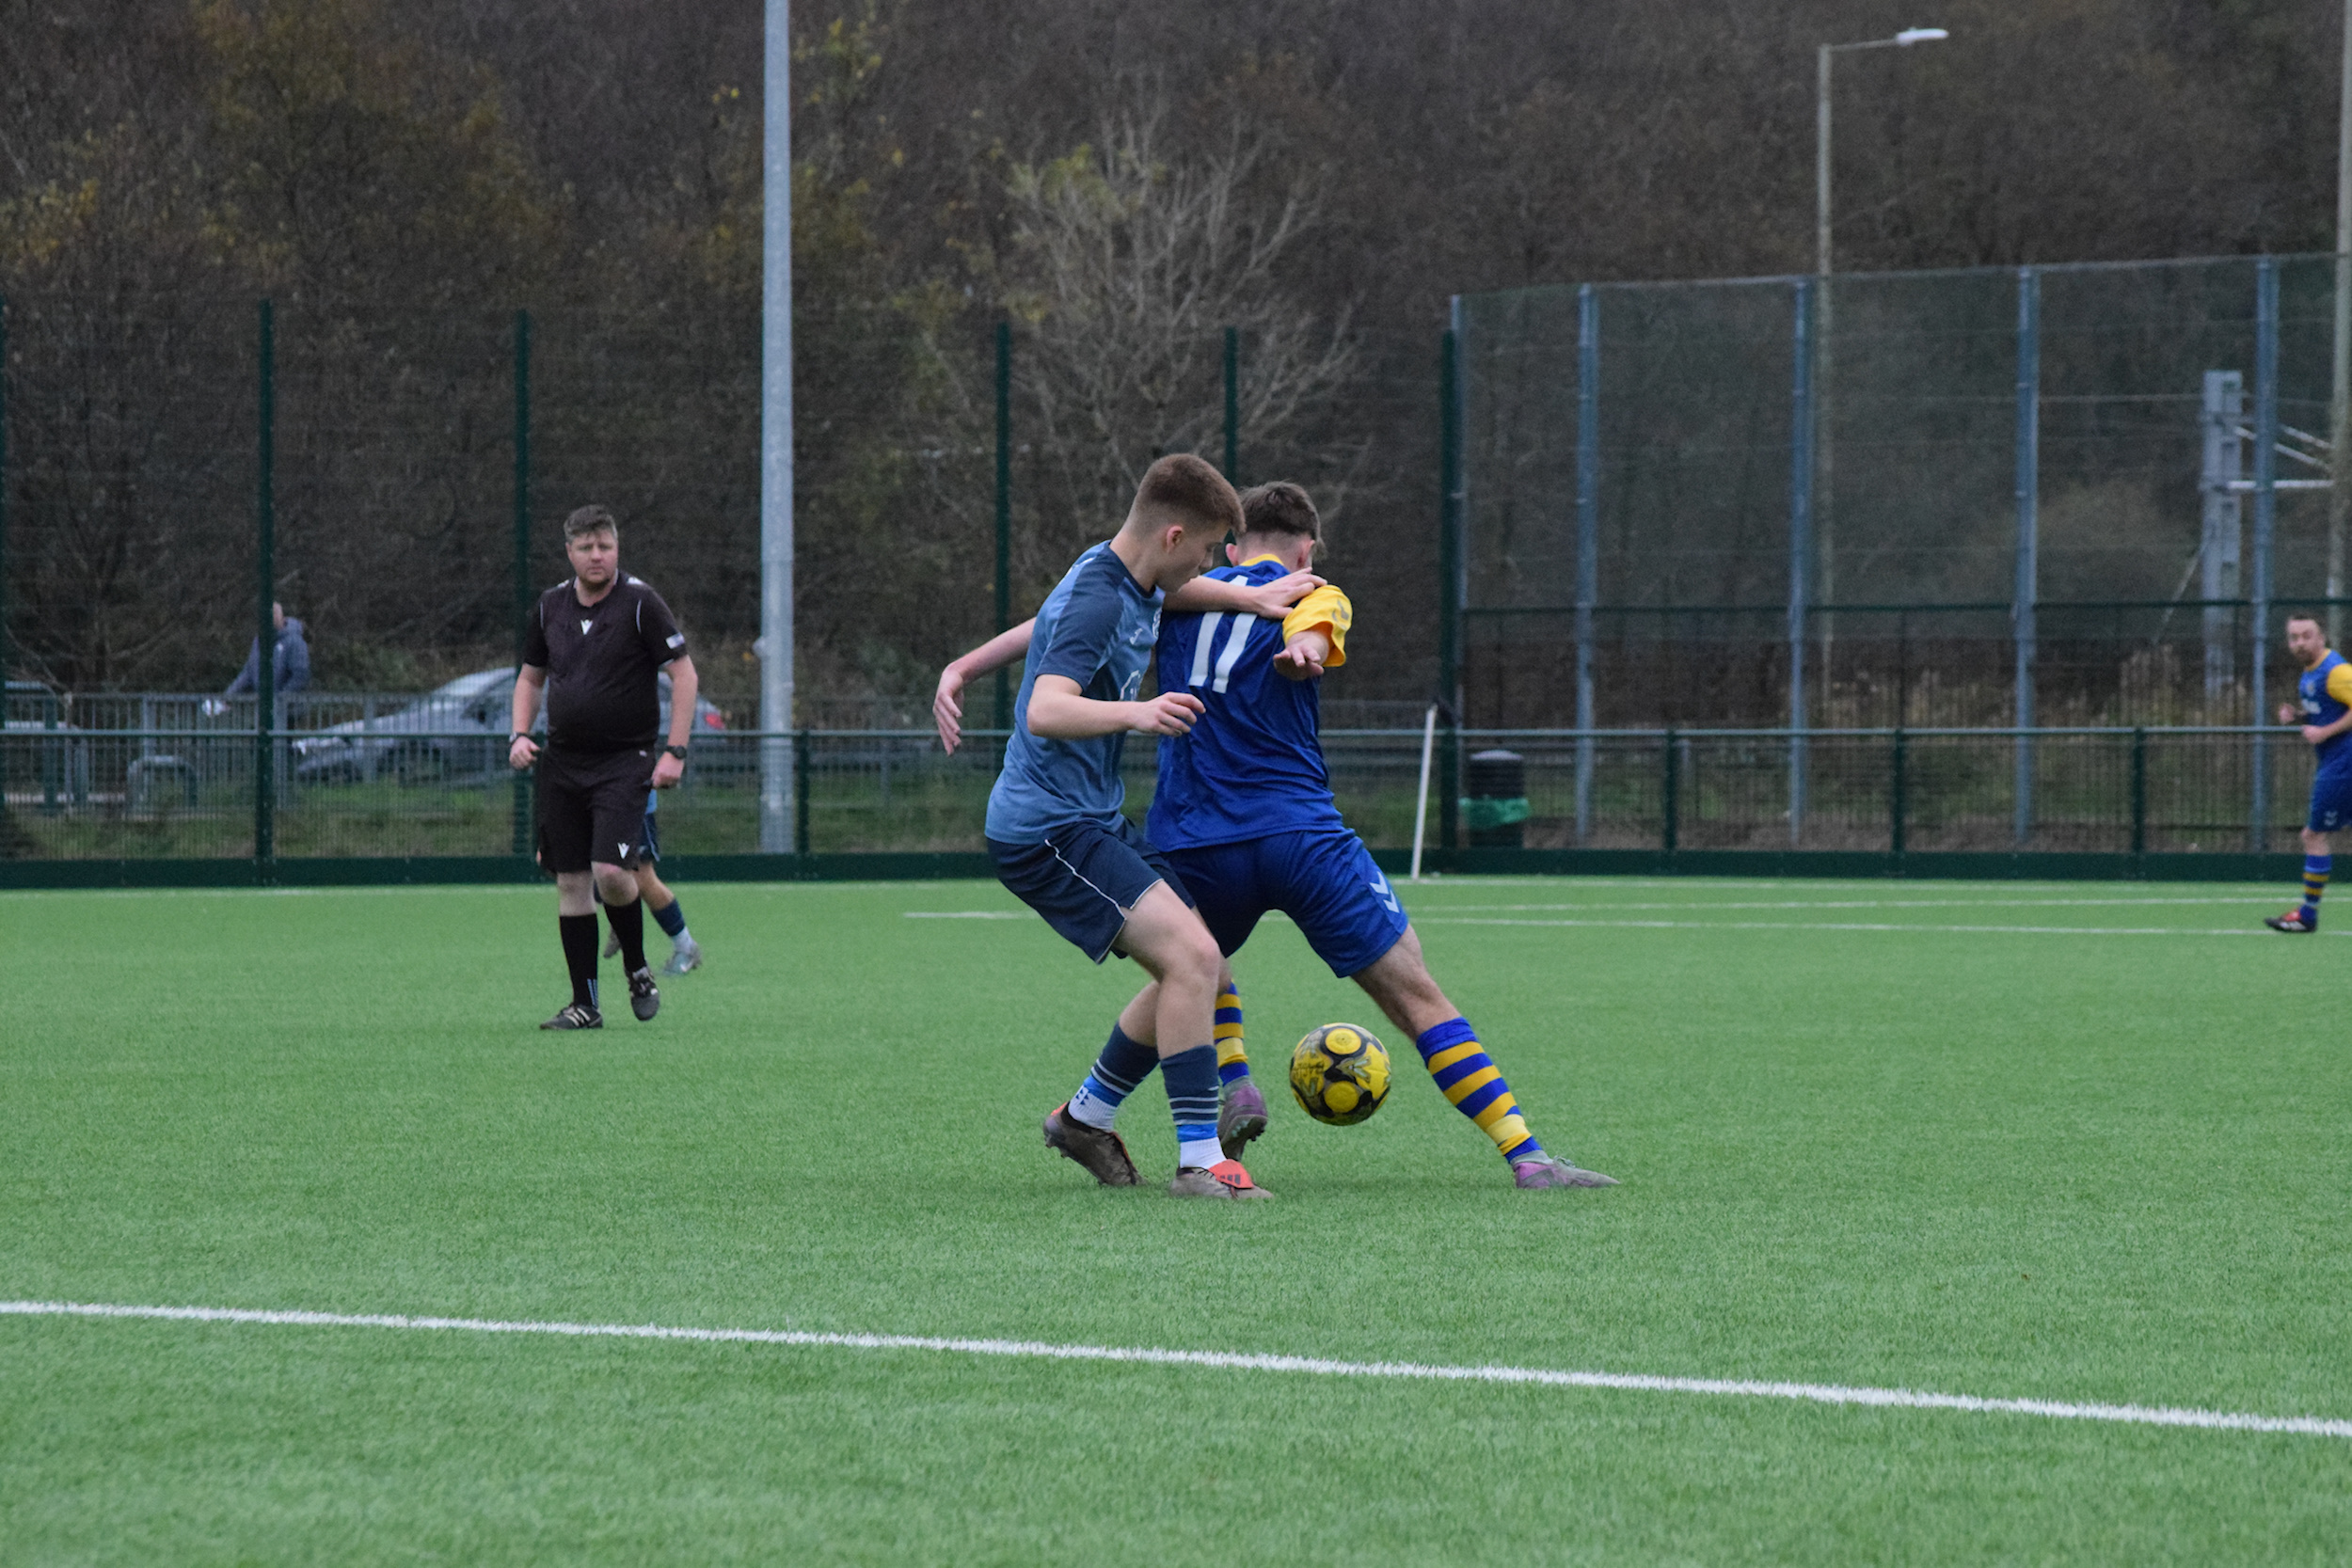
(1232, 1061)
(2315, 868)
(1468, 1077)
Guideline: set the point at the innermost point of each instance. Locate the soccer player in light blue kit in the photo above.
(2323, 707)
(1062, 847)
(1244, 813)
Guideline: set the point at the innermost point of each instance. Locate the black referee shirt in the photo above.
(603, 662)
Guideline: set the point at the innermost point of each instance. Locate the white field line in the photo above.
(1595, 907)
(1874, 926)
(969, 914)
(1815, 1393)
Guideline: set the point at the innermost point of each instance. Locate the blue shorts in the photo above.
(2332, 802)
(649, 843)
(1084, 879)
(1323, 881)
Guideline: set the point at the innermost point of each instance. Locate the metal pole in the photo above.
(2140, 790)
(522, 845)
(2265, 525)
(2027, 590)
(1232, 406)
(1587, 539)
(3, 500)
(1453, 570)
(1820, 164)
(1003, 512)
(800, 792)
(1898, 794)
(265, 574)
(1669, 830)
(776, 782)
(1420, 801)
(1799, 545)
(2340, 401)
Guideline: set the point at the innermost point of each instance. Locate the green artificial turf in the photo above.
(2101, 1168)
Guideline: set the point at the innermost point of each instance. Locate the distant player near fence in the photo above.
(2323, 707)
(596, 646)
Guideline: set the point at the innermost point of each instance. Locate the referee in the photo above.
(596, 646)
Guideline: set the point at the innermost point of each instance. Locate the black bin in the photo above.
(1496, 808)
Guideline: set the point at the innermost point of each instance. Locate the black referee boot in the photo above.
(644, 997)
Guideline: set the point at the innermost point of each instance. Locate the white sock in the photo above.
(1092, 1109)
(1202, 1152)
(684, 938)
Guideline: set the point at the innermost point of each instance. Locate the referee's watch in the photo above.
(677, 752)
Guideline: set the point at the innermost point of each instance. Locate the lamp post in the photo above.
(2340, 399)
(1823, 318)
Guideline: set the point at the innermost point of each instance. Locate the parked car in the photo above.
(456, 733)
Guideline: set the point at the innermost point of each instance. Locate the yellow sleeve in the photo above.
(1326, 609)
(2339, 680)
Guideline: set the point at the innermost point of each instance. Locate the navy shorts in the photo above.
(2332, 803)
(1084, 879)
(1323, 881)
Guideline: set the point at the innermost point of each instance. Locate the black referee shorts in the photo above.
(592, 808)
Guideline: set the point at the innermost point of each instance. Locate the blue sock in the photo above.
(2315, 869)
(672, 920)
(1233, 1056)
(1122, 1065)
(1190, 1077)
(1467, 1076)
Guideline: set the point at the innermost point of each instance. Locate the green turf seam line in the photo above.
(1815, 1393)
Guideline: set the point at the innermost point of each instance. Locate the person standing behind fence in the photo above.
(289, 661)
(2323, 707)
(596, 646)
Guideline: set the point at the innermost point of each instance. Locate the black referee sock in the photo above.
(628, 924)
(579, 955)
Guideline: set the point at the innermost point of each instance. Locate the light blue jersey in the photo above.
(1096, 627)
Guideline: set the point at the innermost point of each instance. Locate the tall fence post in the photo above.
(1003, 512)
(1232, 406)
(265, 574)
(2266, 526)
(522, 550)
(800, 792)
(1898, 794)
(1453, 570)
(2140, 790)
(3, 507)
(2027, 589)
(1587, 540)
(1800, 546)
(1670, 831)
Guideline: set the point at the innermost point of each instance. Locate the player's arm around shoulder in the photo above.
(1270, 601)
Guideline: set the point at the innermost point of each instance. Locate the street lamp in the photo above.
(1903, 39)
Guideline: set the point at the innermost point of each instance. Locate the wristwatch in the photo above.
(677, 752)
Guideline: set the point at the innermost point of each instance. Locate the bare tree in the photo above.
(1128, 262)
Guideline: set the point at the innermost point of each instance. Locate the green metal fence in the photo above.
(189, 793)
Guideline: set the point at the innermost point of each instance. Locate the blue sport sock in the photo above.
(1190, 1077)
(1468, 1077)
(1233, 1056)
(1122, 1065)
(672, 920)
(2315, 869)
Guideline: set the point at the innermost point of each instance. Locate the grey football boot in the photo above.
(1240, 1115)
(1102, 1151)
(1545, 1171)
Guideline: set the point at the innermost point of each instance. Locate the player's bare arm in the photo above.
(1302, 658)
(521, 752)
(685, 686)
(1269, 602)
(1059, 711)
(986, 659)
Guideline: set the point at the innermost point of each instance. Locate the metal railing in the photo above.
(188, 792)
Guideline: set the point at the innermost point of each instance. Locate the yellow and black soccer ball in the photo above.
(1340, 1074)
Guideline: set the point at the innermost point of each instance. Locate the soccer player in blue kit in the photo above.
(1245, 815)
(2323, 707)
(1062, 847)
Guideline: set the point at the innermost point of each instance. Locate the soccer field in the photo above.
(2088, 1145)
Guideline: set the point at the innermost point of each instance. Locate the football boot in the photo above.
(1098, 1149)
(1240, 1117)
(686, 955)
(2291, 922)
(575, 1016)
(1226, 1179)
(644, 998)
(612, 943)
(1545, 1171)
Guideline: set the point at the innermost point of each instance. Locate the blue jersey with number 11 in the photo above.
(1253, 766)
(2326, 692)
